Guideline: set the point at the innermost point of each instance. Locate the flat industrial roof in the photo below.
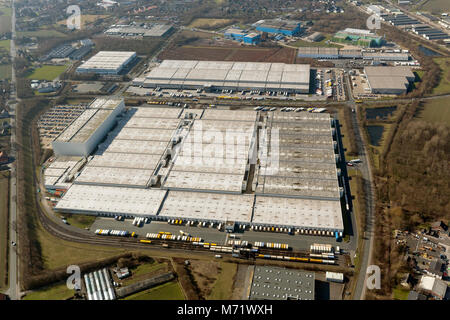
(125, 160)
(87, 123)
(387, 71)
(108, 60)
(204, 181)
(94, 199)
(302, 213)
(208, 206)
(223, 73)
(114, 176)
(274, 283)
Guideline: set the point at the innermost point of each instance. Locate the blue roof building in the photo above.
(241, 36)
(278, 26)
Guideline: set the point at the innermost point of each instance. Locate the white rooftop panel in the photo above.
(204, 181)
(207, 206)
(137, 146)
(94, 199)
(114, 176)
(125, 160)
(302, 213)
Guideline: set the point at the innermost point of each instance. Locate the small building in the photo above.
(414, 295)
(252, 38)
(433, 286)
(122, 273)
(334, 277)
(439, 226)
(316, 36)
(435, 269)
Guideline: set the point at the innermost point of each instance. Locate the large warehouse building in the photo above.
(389, 80)
(279, 26)
(107, 62)
(84, 133)
(194, 74)
(202, 165)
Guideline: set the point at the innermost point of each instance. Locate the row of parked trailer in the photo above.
(319, 248)
(172, 237)
(269, 256)
(221, 249)
(139, 221)
(238, 243)
(106, 232)
(271, 245)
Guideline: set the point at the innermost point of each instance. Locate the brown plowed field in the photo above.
(253, 54)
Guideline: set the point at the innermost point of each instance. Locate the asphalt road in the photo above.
(366, 172)
(14, 287)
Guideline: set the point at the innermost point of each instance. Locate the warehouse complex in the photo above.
(194, 74)
(107, 62)
(246, 167)
(389, 80)
(273, 283)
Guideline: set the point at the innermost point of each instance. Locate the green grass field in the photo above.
(58, 291)
(5, 45)
(400, 294)
(5, 71)
(5, 19)
(444, 84)
(4, 187)
(41, 34)
(167, 291)
(223, 287)
(436, 110)
(80, 221)
(138, 273)
(47, 72)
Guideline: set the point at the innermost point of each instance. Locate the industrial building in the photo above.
(279, 26)
(83, 134)
(334, 53)
(194, 74)
(241, 36)
(165, 163)
(389, 80)
(107, 62)
(148, 30)
(430, 33)
(274, 283)
(364, 38)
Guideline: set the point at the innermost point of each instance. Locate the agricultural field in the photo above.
(57, 291)
(47, 72)
(223, 287)
(5, 71)
(167, 291)
(436, 111)
(434, 6)
(5, 18)
(286, 55)
(85, 19)
(4, 194)
(444, 84)
(5, 46)
(210, 23)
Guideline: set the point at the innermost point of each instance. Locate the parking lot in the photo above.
(211, 234)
